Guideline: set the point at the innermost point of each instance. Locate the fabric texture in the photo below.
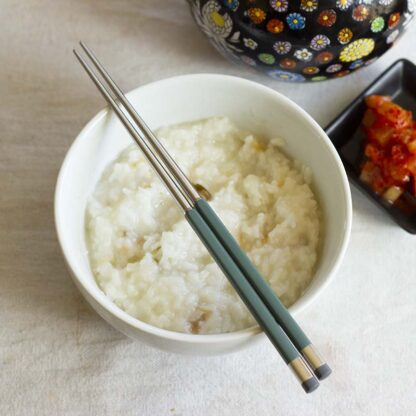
(57, 356)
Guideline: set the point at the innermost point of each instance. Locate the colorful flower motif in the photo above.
(342, 73)
(279, 5)
(319, 78)
(357, 50)
(319, 42)
(247, 60)
(392, 37)
(231, 4)
(309, 5)
(344, 36)
(310, 70)
(303, 55)
(334, 68)
(266, 58)
(324, 57)
(344, 4)
(394, 20)
(385, 2)
(282, 48)
(360, 13)
(275, 26)
(256, 15)
(250, 43)
(220, 25)
(295, 21)
(356, 64)
(216, 25)
(377, 24)
(287, 63)
(285, 76)
(327, 18)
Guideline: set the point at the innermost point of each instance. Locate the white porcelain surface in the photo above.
(251, 106)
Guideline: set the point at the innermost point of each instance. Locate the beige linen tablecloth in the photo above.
(57, 357)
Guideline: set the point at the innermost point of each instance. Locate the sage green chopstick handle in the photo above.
(278, 310)
(253, 301)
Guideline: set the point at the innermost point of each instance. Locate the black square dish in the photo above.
(398, 82)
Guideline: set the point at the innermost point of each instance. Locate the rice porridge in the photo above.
(147, 259)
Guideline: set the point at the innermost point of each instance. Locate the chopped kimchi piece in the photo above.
(390, 148)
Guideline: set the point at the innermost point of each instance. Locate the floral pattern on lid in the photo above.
(303, 55)
(361, 13)
(256, 15)
(324, 57)
(250, 43)
(344, 35)
(377, 25)
(279, 5)
(327, 18)
(266, 58)
(344, 4)
(285, 75)
(320, 42)
(356, 50)
(309, 5)
(303, 40)
(394, 20)
(310, 70)
(334, 68)
(287, 63)
(282, 48)
(275, 26)
(220, 23)
(319, 78)
(295, 21)
(232, 4)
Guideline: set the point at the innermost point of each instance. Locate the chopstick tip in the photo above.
(84, 47)
(323, 371)
(310, 385)
(303, 373)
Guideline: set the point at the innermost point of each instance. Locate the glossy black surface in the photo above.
(303, 40)
(399, 82)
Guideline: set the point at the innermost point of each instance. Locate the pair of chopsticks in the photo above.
(285, 334)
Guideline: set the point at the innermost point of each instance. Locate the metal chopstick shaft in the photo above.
(182, 199)
(283, 317)
(149, 135)
(257, 281)
(253, 301)
(184, 193)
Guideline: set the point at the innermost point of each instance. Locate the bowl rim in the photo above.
(104, 302)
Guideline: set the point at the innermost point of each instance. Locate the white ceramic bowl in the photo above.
(251, 106)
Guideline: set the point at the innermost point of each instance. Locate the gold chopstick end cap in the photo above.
(302, 372)
(318, 365)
